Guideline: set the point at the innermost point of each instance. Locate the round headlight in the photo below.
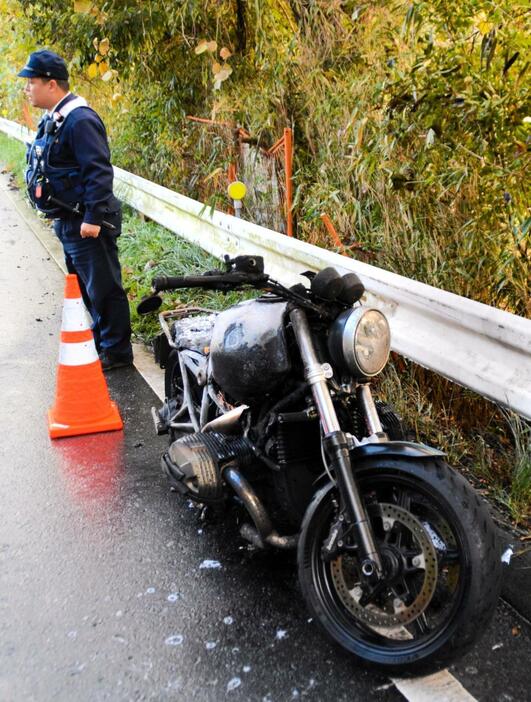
(360, 341)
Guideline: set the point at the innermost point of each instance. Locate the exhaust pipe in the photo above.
(263, 532)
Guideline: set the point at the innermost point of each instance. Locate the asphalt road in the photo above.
(105, 587)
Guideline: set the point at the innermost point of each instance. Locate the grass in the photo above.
(148, 250)
(12, 157)
(491, 446)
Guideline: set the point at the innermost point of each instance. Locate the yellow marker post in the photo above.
(236, 191)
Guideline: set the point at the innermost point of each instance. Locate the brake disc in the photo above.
(395, 612)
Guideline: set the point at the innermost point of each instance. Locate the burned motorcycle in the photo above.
(269, 403)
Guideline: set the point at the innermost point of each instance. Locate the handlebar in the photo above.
(210, 281)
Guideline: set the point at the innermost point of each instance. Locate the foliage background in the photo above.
(409, 118)
(411, 122)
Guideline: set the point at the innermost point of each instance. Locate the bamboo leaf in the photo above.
(201, 47)
(223, 74)
(104, 47)
(83, 6)
(92, 70)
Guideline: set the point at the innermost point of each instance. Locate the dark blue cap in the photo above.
(45, 64)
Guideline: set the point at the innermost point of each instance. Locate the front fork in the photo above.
(336, 444)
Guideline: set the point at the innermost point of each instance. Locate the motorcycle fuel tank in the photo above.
(248, 351)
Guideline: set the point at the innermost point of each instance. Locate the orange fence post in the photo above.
(288, 165)
(331, 230)
(231, 173)
(28, 119)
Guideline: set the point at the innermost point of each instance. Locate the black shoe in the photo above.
(110, 361)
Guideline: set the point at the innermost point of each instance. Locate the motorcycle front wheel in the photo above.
(441, 559)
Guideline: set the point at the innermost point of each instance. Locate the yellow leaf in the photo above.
(216, 67)
(224, 73)
(100, 17)
(92, 70)
(225, 53)
(104, 47)
(485, 27)
(98, 58)
(82, 5)
(95, 43)
(211, 46)
(107, 76)
(201, 47)
(103, 68)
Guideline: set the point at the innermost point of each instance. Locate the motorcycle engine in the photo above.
(193, 463)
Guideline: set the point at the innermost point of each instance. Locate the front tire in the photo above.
(441, 555)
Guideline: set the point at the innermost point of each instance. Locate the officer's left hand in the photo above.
(89, 230)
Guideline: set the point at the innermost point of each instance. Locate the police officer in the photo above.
(69, 178)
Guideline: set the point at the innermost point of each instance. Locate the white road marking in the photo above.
(149, 370)
(439, 687)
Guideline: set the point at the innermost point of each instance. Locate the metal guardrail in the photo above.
(475, 345)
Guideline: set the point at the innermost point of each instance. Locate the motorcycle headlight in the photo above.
(360, 341)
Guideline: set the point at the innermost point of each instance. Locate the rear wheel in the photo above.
(441, 560)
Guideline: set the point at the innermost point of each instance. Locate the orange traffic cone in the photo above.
(82, 402)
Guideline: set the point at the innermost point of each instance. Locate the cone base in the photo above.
(112, 422)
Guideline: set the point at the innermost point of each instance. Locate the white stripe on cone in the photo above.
(75, 317)
(78, 353)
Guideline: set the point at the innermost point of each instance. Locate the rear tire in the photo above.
(443, 605)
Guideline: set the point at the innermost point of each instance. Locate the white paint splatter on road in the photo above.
(175, 640)
(233, 684)
(210, 564)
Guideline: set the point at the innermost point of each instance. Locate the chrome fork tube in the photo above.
(314, 372)
(366, 402)
(335, 439)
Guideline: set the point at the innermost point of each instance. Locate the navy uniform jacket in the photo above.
(82, 140)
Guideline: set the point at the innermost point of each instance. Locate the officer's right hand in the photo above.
(90, 230)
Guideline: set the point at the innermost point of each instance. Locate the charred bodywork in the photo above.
(248, 350)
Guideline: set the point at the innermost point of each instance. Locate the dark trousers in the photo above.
(96, 264)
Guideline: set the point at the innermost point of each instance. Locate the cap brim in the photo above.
(27, 73)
